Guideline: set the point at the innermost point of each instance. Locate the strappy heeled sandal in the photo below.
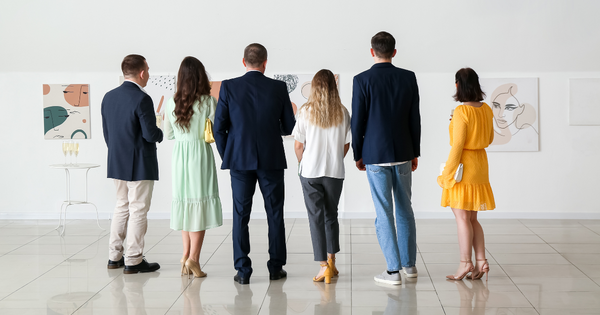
(453, 277)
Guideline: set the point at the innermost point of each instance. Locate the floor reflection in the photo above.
(328, 304)
(192, 304)
(473, 296)
(402, 300)
(127, 294)
(242, 302)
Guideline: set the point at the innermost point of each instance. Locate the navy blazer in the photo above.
(252, 114)
(386, 124)
(130, 132)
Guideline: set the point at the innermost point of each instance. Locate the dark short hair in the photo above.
(255, 54)
(468, 88)
(383, 43)
(133, 64)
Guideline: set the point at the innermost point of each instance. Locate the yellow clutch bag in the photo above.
(208, 133)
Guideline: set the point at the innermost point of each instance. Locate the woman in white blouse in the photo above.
(322, 135)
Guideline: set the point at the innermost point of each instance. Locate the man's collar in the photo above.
(383, 65)
(141, 88)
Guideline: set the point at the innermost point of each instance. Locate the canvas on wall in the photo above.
(298, 86)
(66, 111)
(584, 102)
(514, 103)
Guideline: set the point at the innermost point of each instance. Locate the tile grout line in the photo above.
(561, 255)
(431, 280)
(36, 278)
(47, 271)
(104, 287)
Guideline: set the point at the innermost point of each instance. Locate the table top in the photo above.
(74, 166)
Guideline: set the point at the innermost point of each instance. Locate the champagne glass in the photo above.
(71, 147)
(65, 148)
(76, 151)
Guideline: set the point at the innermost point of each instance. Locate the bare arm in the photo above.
(346, 148)
(299, 149)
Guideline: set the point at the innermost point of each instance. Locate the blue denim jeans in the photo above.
(398, 241)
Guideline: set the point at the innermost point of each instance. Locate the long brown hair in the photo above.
(192, 84)
(324, 107)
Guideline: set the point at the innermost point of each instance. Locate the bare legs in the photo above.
(192, 244)
(470, 237)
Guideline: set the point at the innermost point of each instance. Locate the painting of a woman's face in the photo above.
(504, 104)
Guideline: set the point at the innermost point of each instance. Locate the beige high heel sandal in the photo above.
(194, 268)
(184, 270)
(485, 268)
(452, 277)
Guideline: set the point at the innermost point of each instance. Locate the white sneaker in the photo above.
(385, 277)
(410, 272)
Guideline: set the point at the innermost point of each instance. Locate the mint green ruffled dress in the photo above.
(196, 205)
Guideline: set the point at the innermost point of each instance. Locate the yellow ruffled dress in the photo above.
(471, 131)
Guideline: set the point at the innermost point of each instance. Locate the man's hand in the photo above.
(360, 165)
(415, 163)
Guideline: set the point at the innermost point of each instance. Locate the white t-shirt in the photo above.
(323, 148)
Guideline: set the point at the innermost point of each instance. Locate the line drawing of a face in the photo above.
(505, 103)
(77, 95)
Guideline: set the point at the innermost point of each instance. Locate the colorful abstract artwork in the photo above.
(66, 111)
(514, 103)
(298, 86)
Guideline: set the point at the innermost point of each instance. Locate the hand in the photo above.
(360, 165)
(415, 164)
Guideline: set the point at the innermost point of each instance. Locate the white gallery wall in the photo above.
(83, 42)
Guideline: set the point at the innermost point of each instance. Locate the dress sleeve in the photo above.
(459, 135)
(168, 116)
(212, 106)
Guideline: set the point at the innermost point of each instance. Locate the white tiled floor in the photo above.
(537, 267)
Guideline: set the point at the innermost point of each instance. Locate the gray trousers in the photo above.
(321, 196)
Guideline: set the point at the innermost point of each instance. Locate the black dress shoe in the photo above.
(144, 266)
(237, 278)
(116, 264)
(278, 275)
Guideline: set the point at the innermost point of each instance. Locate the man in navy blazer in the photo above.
(252, 113)
(386, 133)
(131, 134)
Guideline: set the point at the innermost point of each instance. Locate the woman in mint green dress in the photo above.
(196, 206)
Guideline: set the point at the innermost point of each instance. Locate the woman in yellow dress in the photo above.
(471, 131)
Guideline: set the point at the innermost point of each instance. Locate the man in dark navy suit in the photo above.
(131, 134)
(386, 136)
(252, 113)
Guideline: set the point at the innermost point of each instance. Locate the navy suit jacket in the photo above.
(386, 124)
(252, 114)
(130, 132)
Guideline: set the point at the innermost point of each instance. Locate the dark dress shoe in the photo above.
(278, 275)
(237, 278)
(116, 264)
(144, 266)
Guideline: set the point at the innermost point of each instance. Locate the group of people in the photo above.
(252, 113)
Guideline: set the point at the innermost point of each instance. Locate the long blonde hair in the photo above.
(324, 107)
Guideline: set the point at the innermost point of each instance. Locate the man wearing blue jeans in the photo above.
(386, 136)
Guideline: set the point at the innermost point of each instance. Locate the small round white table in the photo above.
(81, 166)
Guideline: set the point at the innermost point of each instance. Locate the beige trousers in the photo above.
(130, 220)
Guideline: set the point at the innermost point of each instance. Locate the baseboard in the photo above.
(302, 214)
